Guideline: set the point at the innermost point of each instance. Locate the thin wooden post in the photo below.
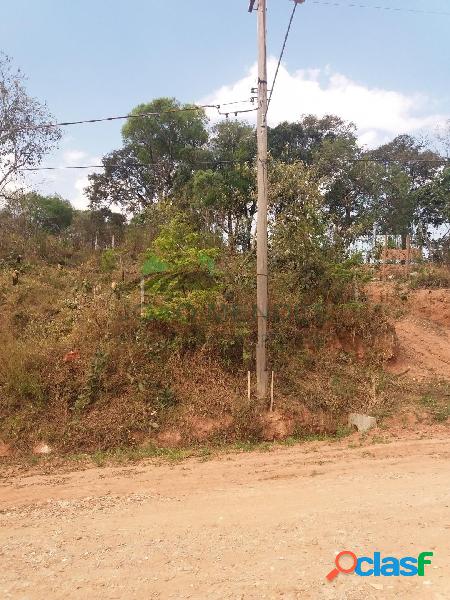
(249, 391)
(142, 296)
(271, 393)
(122, 270)
(385, 257)
(408, 254)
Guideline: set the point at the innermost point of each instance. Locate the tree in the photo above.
(181, 273)
(443, 138)
(23, 140)
(433, 210)
(97, 227)
(408, 167)
(308, 264)
(51, 213)
(299, 141)
(433, 200)
(124, 182)
(161, 149)
(227, 191)
(351, 186)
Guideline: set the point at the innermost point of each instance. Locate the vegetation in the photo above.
(22, 142)
(84, 366)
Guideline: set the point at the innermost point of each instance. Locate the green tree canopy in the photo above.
(409, 166)
(51, 213)
(300, 141)
(226, 191)
(164, 141)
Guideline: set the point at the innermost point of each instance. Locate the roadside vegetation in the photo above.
(132, 324)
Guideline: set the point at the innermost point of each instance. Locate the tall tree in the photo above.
(351, 186)
(124, 182)
(164, 141)
(299, 141)
(408, 166)
(97, 227)
(227, 191)
(51, 213)
(23, 140)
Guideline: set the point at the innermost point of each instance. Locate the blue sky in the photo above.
(102, 57)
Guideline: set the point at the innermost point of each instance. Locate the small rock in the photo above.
(362, 422)
(42, 448)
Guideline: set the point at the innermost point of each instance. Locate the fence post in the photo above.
(142, 296)
(408, 253)
(384, 257)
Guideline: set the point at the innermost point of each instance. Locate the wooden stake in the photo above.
(271, 393)
(408, 253)
(122, 270)
(249, 392)
(385, 249)
(142, 296)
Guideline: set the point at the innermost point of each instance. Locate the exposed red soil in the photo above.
(423, 331)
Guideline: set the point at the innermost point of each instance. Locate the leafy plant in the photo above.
(182, 279)
(108, 260)
(94, 382)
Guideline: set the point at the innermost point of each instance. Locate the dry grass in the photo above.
(133, 384)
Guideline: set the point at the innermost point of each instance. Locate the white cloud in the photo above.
(78, 199)
(379, 114)
(73, 157)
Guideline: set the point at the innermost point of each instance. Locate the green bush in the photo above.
(182, 279)
(109, 260)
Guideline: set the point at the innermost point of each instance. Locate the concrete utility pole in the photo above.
(261, 226)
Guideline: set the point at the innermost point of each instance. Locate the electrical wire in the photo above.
(133, 164)
(282, 54)
(192, 108)
(237, 112)
(439, 161)
(389, 8)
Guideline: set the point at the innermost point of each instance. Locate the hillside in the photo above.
(82, 372)
(422, 330)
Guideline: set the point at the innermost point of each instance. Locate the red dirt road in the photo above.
(241, 527)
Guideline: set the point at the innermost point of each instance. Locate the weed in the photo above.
(431, 277)
(438, 407)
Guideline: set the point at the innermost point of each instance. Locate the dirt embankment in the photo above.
(423, 330)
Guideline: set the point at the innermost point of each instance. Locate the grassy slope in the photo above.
(129, 385)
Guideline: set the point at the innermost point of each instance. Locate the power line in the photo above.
(390, 8)
(439, 161)
(282, 52)
(133, 164)
(341, 5)
(192, 108)
(237, 112)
